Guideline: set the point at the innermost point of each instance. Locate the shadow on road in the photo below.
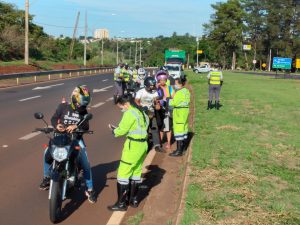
(77, 197)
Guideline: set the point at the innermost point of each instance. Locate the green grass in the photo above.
(136, 219)
(246, 158)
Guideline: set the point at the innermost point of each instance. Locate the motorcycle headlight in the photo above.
(60, 154)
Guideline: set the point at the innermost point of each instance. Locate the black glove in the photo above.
(221, 82)
(145, 108)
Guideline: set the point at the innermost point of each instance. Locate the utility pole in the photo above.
(102, 51)
(270, 60)
(135, 58)
(130, 53)
(117, 52)
(26, 52)
(74, 36)
(85, 39)
(140, 53)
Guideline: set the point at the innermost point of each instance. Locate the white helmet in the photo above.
(141, 73)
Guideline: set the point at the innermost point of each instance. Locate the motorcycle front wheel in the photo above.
(55, 201)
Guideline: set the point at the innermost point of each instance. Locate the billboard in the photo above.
(297, 63)
(282, 63)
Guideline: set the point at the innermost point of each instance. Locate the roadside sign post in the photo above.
(282, 63)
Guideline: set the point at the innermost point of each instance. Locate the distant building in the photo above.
(101, 34)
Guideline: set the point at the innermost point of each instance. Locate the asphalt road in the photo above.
(21, 152)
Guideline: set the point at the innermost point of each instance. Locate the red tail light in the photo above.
(77, 148)
(45, 146)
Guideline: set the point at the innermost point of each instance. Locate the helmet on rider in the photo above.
(126, 66)
(162, 75)
(150, 84)
(80, 98)
(137, 67)
(141, 73)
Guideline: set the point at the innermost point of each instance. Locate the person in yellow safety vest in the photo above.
(135, 73)
(180, 104)
(118, 80)
(134, 126)
(126, 76)
(215, 81)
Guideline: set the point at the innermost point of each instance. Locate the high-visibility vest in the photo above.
(126, 74)
(117, 74)
(135, 75)
(215, 78)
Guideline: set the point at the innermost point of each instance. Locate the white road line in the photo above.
(109, 99)
(46, 87)
(102, 89)
(105, 80)
(28, 136)
(98, 105)
(26, 99)
(4, 146)
(117, 217)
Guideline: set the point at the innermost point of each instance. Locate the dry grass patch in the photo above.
(228, 127)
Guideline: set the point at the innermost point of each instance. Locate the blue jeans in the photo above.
(87, 173)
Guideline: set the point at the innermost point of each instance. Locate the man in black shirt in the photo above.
(65, 119)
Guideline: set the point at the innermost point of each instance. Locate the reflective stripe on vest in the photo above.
(139, 130)
(215, 78)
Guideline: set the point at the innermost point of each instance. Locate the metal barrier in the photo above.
(52, 72)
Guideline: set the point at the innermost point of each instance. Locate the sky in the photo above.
(123, 18)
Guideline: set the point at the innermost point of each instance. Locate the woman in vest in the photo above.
(134, 126)
(180, 104)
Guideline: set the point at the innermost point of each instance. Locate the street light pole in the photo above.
(140, 53)
(26, 53)
(197, 39)
(135, 57)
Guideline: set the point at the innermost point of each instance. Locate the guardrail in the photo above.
(50, 75)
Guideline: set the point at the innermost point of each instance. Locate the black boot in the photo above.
(115, 99)
(134, 189)
(209, 103)
(120, 205)
(179, 150)
(217, 105)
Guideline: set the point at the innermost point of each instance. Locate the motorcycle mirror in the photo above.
(88, 116)
(39, 115)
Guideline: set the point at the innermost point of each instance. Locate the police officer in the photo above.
(134, 125)
(215, 81)
(118, 79)
(180, 104)
(126, 74)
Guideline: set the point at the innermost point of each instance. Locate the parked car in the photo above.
(202, 69)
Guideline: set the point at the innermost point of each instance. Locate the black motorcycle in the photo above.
(65, 167)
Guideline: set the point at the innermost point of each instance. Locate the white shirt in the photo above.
(146, 98)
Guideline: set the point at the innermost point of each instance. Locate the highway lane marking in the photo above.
(102, 89)
(46, 87)
(109, 99)
(105, 80)
(28, 136)
(26, 99)
(4, 146)
(98, 105)
(117, 217)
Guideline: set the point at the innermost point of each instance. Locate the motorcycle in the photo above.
(65, 167)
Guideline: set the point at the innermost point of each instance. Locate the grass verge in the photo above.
(246, 158)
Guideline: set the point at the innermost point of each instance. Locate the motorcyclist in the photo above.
(118, 79)
(147, 98)
(126, 73)
(65, 119)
